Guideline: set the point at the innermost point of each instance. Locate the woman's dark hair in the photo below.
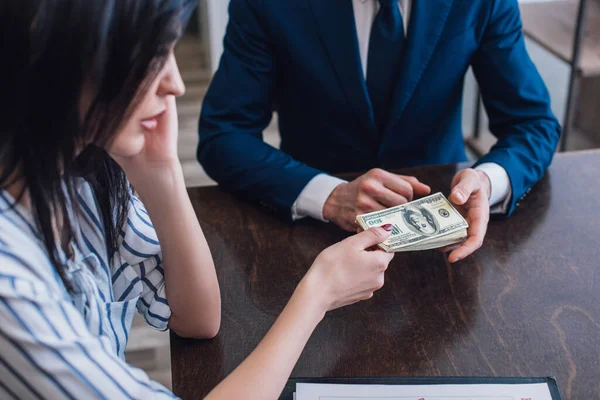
(51, 50)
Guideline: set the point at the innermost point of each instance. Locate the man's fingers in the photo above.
(407, 186)
(466, 183)
(398, 185)
(366, 203)
(466, 249)
(419, 188)
(389, 198)
(450, 248)
(371, 237)
(476, 232)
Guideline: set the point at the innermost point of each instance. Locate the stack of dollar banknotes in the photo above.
(428, 223)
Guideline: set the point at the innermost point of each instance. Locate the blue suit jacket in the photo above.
(301, 58)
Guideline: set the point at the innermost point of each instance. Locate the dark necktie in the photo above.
(385, 48)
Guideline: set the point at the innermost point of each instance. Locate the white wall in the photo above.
(217, 15)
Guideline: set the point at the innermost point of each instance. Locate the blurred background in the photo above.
(563, 38)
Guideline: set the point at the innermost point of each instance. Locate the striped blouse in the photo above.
(60, 345)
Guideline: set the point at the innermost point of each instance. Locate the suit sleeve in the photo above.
(517, 102)
(236, 110)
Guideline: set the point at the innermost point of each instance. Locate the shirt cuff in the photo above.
(501, 190)
(311, 200)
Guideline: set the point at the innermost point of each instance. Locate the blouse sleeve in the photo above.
(47, 351)
(141, 270)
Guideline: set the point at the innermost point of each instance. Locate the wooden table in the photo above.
(526, 304)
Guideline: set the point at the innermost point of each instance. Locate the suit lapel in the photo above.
(337, 27)
(427, 23)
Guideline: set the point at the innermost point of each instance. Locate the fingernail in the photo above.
(459, 196)
(388, 227)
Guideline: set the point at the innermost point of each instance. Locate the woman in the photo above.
(88, 112)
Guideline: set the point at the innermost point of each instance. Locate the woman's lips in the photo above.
(152, 122)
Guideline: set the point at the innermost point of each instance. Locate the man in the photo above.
(373, 85)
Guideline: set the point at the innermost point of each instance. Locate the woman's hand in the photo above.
(149, 154)
(343, 274)
(350, 271)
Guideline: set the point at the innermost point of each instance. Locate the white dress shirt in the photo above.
(311, 200)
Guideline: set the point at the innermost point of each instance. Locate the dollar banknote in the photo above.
(428, 223)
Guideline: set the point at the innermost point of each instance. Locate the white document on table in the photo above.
(315, 391)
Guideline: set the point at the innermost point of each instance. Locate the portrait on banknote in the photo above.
(420, 221)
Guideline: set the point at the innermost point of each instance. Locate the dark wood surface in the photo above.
(526, 304)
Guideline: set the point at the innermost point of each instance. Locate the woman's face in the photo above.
(129, 141)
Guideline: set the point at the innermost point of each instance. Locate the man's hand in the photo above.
(376, 190)
(470, 194)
